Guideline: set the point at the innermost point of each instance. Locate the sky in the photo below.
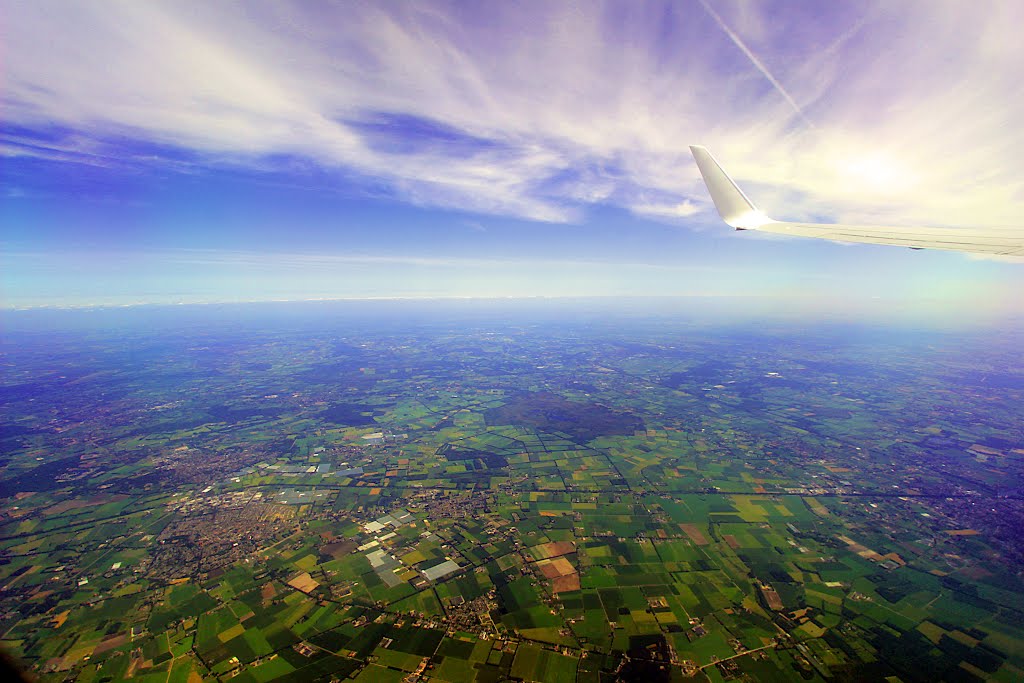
(188, 152)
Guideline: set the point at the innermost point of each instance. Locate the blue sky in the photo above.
(198, 152)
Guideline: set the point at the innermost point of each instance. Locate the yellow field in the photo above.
(234, 631)
(816, 507)
(303, 582)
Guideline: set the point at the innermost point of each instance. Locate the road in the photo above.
(738, 654)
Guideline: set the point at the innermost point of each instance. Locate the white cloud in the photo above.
(915, 105)
(683, 210)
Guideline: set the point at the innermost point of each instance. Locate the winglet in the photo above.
(733, 206)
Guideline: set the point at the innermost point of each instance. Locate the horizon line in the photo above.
(443, 297)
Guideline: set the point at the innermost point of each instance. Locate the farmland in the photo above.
(434, 494)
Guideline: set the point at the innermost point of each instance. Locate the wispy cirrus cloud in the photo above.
(537, 110)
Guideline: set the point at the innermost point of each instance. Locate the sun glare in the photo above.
(877, 173)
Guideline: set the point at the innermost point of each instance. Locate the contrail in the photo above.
(755, 61)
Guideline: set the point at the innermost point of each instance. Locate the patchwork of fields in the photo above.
(549, 503)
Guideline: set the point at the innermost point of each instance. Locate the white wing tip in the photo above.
(733, 206)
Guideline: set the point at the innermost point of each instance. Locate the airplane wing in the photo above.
(738, 211)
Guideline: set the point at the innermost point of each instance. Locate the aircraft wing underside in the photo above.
(974, 241)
